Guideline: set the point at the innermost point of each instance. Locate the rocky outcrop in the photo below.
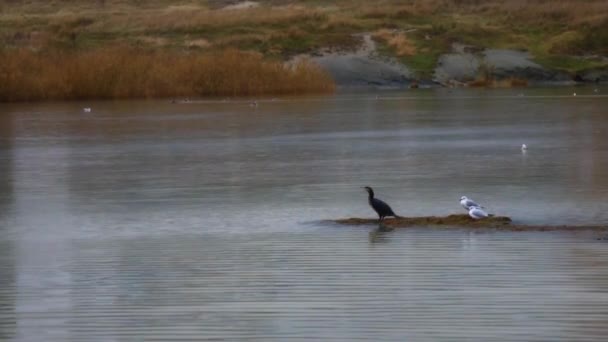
(596, 75)
(462, 66)
(362, 71)
(459, 67)
(519, 64)
(364, 68)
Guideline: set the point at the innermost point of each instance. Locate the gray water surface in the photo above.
(146, 220)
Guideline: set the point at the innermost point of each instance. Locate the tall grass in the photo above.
(124, 72)
(398, 41)
(569, 12)
(286, 28)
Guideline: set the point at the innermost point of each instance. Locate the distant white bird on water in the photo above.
(573, 94)
(477, 213)
(86, 109)
(524, 147)
(468, 203)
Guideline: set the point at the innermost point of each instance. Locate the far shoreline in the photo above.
(577, 90)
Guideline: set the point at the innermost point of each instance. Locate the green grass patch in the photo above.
(422, 64)
(571, 64)
(291, 44)
(429, 49)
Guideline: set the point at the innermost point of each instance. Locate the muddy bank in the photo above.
(464, 221)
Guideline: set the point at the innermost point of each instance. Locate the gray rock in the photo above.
(363, 68)
(464, 66)
(509, 59)
(518, 64)
(599, 75)
(461, 67)
(353, 70)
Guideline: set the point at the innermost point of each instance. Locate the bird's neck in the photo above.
(371, 195)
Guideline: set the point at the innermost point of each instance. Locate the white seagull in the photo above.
(524, 147)
(86, 109)
(477, 213)
(468, 203)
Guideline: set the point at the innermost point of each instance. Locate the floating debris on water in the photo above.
(455, 219)
(464, 221)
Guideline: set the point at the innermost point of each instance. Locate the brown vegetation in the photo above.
(516, 21)
(398, 41)
(124, 72)
(450, 220)
(486, 79)
(556, 33)
(464, 221)
(511, 82)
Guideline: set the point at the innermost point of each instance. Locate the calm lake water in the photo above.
(146, 220)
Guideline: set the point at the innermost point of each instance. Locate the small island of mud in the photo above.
(464, 221)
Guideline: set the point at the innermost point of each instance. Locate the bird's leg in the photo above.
(383, 228)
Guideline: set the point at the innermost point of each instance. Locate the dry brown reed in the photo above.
(398, 41)
(167, 15)
(124, 72)
(511, 82)
(516, 82)
(284, 28)
(570, 12)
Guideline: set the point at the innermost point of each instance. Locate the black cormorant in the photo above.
(379, 206)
